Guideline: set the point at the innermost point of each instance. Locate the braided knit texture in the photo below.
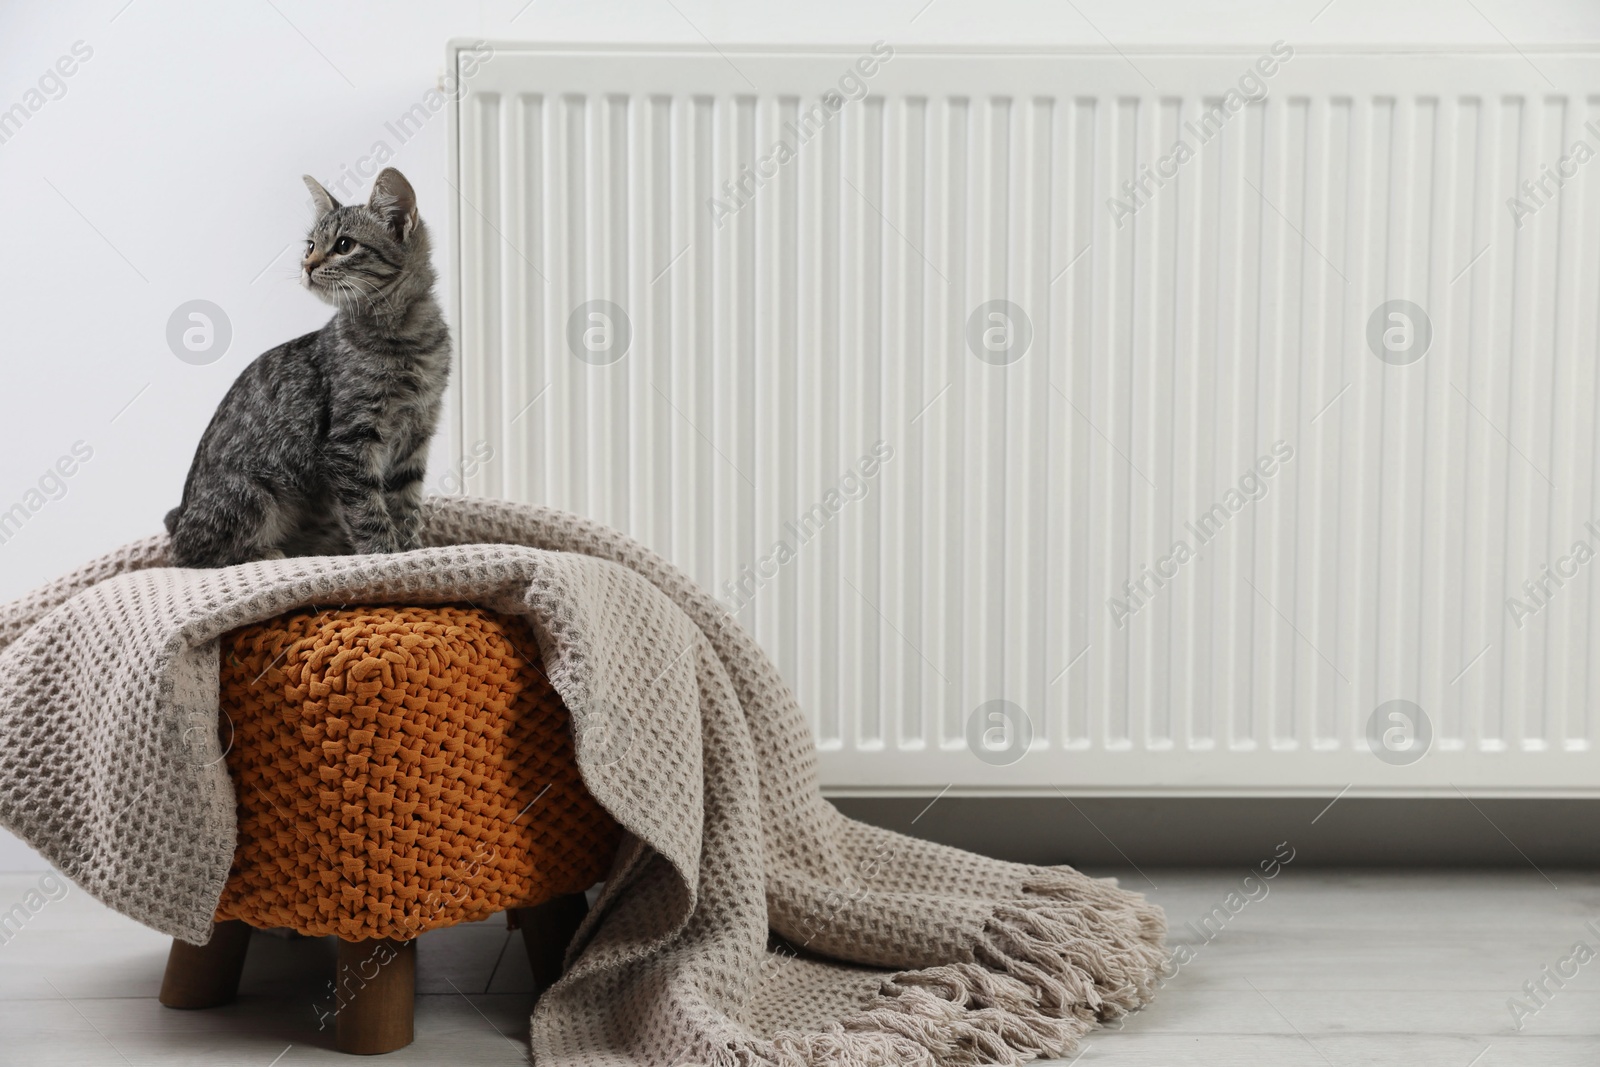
(399, 770)
(913, 953)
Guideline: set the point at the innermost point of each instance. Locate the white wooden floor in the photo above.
(1328, 969)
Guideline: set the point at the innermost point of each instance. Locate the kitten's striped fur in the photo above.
(321, 444)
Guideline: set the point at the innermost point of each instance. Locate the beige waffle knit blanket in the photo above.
(745, 922)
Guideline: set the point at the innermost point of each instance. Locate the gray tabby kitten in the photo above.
(320, 446)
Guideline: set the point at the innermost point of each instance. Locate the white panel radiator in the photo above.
(672, 324)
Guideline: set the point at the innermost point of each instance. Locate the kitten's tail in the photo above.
(171, 521)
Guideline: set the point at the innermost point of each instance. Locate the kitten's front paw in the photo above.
(378, 546)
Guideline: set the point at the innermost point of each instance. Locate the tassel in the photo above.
(1072, 953)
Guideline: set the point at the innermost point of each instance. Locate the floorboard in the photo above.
(1328, 968)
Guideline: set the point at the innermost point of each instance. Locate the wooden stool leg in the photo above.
(547, 931)
(206, 976)
(376, 991)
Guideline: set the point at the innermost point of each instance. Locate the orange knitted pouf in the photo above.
(398, 770)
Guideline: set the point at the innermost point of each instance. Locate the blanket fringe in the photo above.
(1073, 953)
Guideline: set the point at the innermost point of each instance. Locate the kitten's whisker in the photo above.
(374, 296)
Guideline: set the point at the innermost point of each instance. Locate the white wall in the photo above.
(168, 170)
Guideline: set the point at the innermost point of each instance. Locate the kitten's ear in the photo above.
(320, 196)
(394, 202)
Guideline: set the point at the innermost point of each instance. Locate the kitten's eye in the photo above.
(343, 245)
(311, 246)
